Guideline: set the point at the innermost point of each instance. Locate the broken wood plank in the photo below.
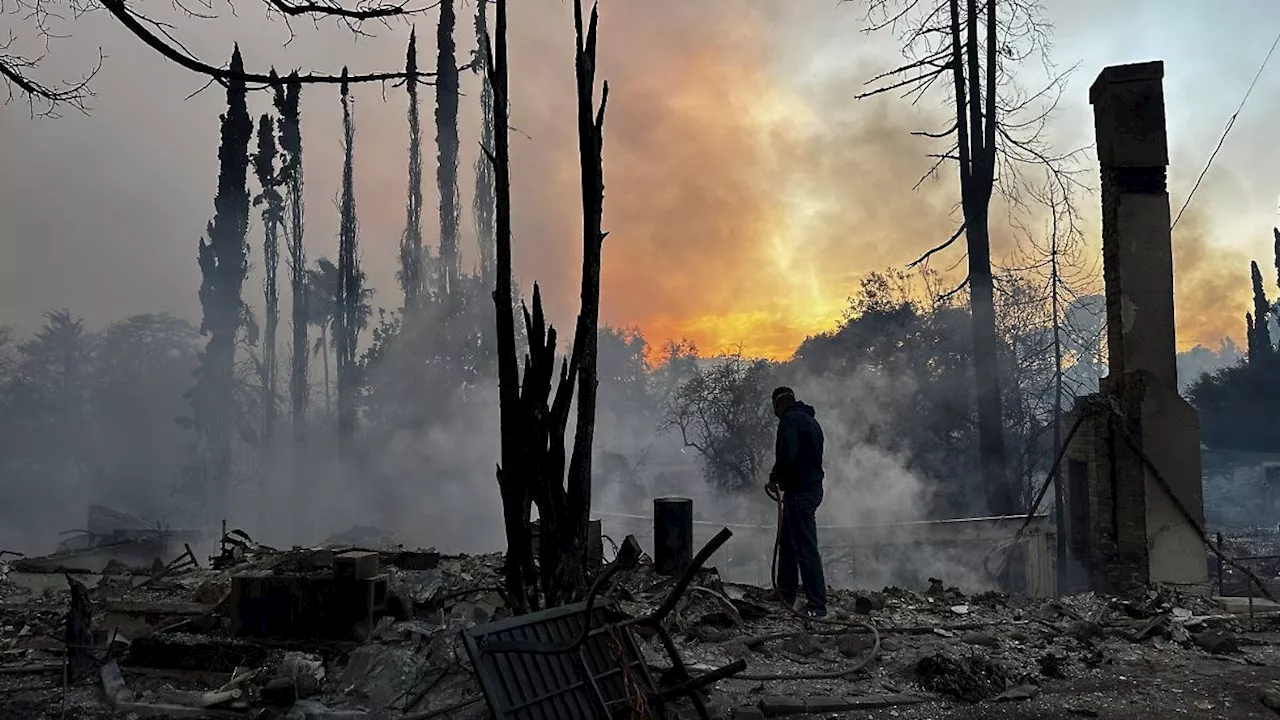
(134, 607)
(29, 668)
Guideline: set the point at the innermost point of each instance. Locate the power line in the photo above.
(1230, 123)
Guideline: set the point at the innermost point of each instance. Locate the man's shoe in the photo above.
(813, 612)
(785, 603)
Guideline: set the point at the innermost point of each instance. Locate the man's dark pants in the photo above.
(799, 548)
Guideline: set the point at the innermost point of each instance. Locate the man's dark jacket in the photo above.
(798, 452)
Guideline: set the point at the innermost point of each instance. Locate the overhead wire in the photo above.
(1226, 131)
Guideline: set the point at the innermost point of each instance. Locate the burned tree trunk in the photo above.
(411, 241)
(976, 150)
(590, 151)
(287, 99)
(511, 476)
(224, 263)
(348, 298)
(534, 422)
(272, 217)
(447, 158)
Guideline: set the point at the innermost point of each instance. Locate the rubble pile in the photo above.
(188, 640)
(1258, 550)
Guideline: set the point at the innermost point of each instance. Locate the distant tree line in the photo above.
(896, 375)
(1240, 404)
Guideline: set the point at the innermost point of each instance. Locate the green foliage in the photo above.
(722, 412)
(1259, 330)
(1238, 403)
(91, 416)
(1237, 406)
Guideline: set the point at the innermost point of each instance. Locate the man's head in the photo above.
(783, 398)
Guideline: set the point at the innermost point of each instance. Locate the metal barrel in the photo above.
(672, 535)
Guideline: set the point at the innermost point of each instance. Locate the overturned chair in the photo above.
(582, 661)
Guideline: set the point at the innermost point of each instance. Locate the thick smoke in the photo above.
(1210, 281)
(746, 192)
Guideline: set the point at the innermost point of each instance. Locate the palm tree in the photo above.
(322, 311)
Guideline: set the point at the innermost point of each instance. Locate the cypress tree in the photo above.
(223, 257)
(411, 240)
(482, 204)
(272, 217)
(447, 149)
(1261, 343)
(349, 290)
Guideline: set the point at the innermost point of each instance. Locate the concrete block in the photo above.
(355, 565)
(305, 606)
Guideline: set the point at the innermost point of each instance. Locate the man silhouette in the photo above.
(797, 474)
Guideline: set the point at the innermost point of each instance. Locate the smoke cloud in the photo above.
(1210, 280)
(746, 194)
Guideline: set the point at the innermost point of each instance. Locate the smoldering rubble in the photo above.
(200, 637)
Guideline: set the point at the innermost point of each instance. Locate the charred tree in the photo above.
(1276, 234)
(447, 155)
(287, 99)
(349, 291)
(482, 201)
(534, 421)
(223, 257)
(958, 46)
(976, 142)
(585, 341)
(512, 484)
(411, 241)
(272, 218)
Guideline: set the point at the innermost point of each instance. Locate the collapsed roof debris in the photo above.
(175, 640)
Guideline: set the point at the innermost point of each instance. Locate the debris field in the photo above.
(215, 639)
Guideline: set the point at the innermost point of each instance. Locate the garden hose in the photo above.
(776, 496)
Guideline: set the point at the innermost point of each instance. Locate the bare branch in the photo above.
(938, 135)
(17, 73)
(363, 11)
(950, 241)
(947, 295)
(926, 77)
(131, 22)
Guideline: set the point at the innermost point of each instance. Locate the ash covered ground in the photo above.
(159, 642)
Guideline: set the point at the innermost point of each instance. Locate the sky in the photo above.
(747, 190)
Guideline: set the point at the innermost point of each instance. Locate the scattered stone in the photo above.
(1018, 692)
(1217, 642)
(971, 679)
(803, 645)
(1085, 630)
(736, 649)
(853, 645)
(867, 603)
(985, 639)
(1270, 699)
(1053, 666)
